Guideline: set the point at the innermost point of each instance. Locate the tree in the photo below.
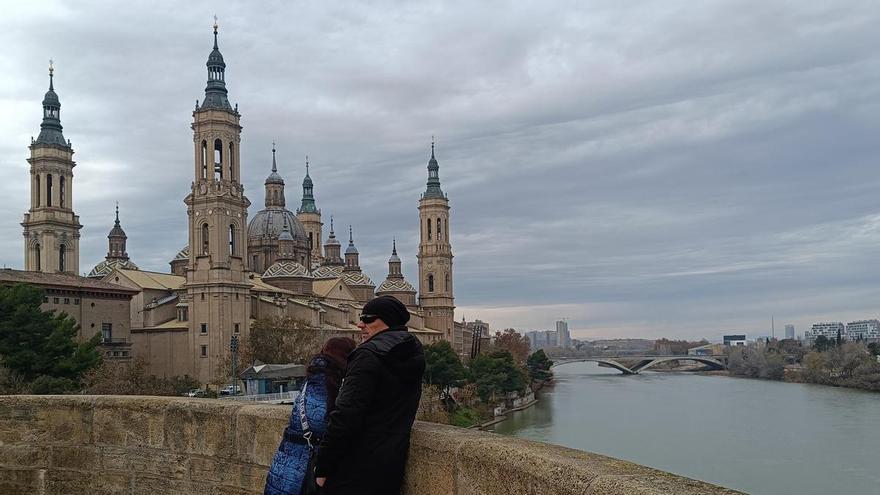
(131, 378)
(822, 343)
(513, 342)
(443, 368)
(756, 363)
(39, 346)
(496, 374)
(874, 348)
(539, 366)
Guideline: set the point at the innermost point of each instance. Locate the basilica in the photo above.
(235, 269)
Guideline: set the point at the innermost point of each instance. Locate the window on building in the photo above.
(429, 229)
(232, 246)
(231, 160)
(124, 353)
(49, 190)
(204, 351)
(439, 230)
(39, 256)
(447, 283)
(204, 159)
(218, 159)
(255, 263)
(115, 353)
(37, 198)
(204, 328)
(62, 254)
(55, 300)
(61, 184)
(235, 328)
(205, 238)
(106, 332)
(66, 300)
(430, 283)
(76, 302)
(45, 299)
(203, 296)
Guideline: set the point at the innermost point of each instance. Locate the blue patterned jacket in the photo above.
(289, 464)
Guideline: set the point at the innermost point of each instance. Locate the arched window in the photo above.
(311, 241)
(38, 256)
(430, 283)
(218, 159)
(231, 161)
(255, 263)
(232, 246)
(429, 229)
(62, 255)
(61, 182)
(447, 282)
(37, 179)
(204, 159)
(205, 243)
(439, 230)
(49, 190)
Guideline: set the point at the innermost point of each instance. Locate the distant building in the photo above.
(789, 332)
(540, 339)
(562, 335)
(734, 340)
(828, 330)
(863, 330)
(706, 350)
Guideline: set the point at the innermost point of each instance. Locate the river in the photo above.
(757, 436)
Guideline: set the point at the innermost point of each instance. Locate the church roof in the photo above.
(334, 271)
(286, 269)
(260, 286)
(63, 280)
(154, 280)
(183, 254)
(395, 285)
(269, 222)
(357, 279)
(105, 267)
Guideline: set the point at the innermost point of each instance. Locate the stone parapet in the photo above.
(157, 445)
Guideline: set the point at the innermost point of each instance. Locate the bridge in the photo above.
(641, 363)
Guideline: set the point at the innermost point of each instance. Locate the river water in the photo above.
(757, 436)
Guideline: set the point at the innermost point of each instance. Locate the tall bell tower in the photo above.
(216, 286)
(51, 228)
(435, 256)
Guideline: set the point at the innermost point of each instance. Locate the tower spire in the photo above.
(117, 213)
(274, 166)
(433, 190)
(394, 246)
(308, 198)
(215, 91)
(50, 128)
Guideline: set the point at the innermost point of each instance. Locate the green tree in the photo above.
(822, 343)
(443, 368)
(874, 348)
(539, 365)
(496, 374)
(40, 346)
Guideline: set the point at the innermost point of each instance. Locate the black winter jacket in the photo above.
(365, 446)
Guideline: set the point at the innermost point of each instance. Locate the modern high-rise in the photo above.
(863, 330)
(562, 335)
(828, 330)
(789, 332)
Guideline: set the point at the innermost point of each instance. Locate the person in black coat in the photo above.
(365, 447)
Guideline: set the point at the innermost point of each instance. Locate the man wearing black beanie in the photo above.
(365, 446)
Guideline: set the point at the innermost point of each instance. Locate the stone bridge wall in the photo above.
(153, 445)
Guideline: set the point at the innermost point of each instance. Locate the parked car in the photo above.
(229, 390)
(196, 392)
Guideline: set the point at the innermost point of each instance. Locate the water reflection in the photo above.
(755, 436)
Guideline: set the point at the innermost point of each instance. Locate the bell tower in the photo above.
(435, 256)
(51, 228)
(217, 289)
(310, 216)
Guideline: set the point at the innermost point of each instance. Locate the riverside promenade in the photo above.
(75, 445)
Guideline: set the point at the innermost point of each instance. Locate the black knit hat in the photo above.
(389, 309)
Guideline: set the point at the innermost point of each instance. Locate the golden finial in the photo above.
(216, 25)
(51, 66)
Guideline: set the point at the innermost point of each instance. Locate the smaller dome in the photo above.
(395, 285)
(105, 267)
(51, 99)
(357, 279)
(274, 178)
(269, 222)
(216, 58)
(351, 249)
(327, 271)
(286, 269)
(183, 254)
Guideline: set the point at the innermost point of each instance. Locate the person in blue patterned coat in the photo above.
(323, 378)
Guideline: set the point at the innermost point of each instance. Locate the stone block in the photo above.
(23, 457)
(74, 457)
(21, 480)
(139, 422)
(431, 466)
(203, 427)
(91, 483)
(258, 432)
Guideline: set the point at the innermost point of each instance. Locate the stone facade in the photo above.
(76, 445)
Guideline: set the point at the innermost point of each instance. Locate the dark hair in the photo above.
(335, 353)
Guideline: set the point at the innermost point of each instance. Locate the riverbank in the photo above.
(498, 419)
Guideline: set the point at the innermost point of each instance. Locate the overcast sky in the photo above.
(672, 168)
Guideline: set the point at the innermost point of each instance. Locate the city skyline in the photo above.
(639, 170)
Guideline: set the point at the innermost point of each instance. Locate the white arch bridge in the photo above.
(636, 364)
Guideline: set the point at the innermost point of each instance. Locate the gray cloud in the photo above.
(661, 169)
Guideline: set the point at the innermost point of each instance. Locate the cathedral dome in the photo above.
(105, 267)
(334, 271)
(395, 285)
(286, 269)
(357, 279)
(269, 223)
(183, 254)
